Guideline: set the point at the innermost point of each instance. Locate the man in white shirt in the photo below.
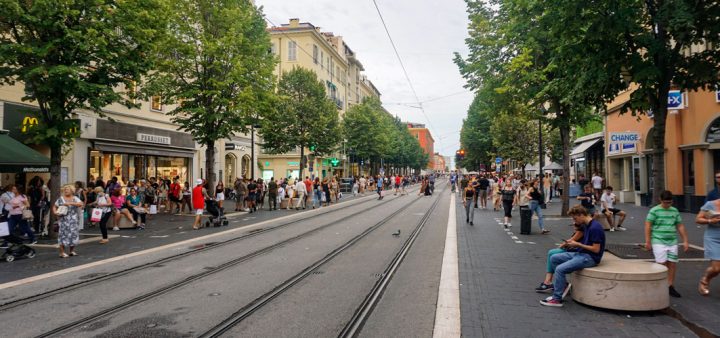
(363, 185)
(608, 209)
(301, 192)
(596, 182)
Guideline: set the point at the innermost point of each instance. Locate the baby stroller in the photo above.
(16, 248)
(217, 216)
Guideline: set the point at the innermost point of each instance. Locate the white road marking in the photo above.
(514, 237)
(163, 236)
(447, 313)
(519, 242)
(172, 246)
(530, 242)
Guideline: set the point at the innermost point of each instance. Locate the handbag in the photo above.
(140, 210)
(96, 215)
(27, 215)
(153, 209)
(62, 210)
(4, 229)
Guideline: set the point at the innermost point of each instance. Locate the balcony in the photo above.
(339, 103)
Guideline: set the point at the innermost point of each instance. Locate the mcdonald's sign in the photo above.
(27, 123)
(20, 120)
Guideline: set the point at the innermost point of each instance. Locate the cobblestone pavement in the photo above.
(499, 270)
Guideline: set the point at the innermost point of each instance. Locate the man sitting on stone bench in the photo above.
(584, 254)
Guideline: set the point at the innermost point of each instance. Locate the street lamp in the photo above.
(544, 108)
(252, 149)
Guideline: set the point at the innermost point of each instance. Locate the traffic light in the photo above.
(459, 155)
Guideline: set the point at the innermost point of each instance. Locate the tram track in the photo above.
(204, 248)
(362, 313)
(98, 315)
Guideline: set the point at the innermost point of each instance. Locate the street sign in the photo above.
(675, 100)
(498, 160)
(334, 161)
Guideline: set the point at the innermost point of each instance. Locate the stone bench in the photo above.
(625, 285)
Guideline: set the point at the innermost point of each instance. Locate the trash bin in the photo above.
(525, 220)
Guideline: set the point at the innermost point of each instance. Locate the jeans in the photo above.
(552, 252)
(16, 220)
(469, 210)
(535, 207)
(318, 198)
(564, 263)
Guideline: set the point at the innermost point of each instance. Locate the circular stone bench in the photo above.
(622, 285)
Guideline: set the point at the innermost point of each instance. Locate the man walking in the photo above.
(481, 192)
(301, 190)
(199, 195)
(662, 225)
(380, 187)
(272, 194)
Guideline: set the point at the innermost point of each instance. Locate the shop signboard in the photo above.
(675, 100)
(155, 139)
(20, 121)
(623, 142)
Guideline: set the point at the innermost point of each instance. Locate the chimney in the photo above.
(294, 22)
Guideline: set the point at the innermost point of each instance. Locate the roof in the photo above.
(589, 137)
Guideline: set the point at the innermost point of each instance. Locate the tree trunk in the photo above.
(210, 167)
(302, 162)
(658, 159)
(55, 168)
(565, 140)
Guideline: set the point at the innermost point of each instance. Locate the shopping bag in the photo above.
(153, 209)
(339, 195)
(81, 221)
(382, 193)
(324, 198)
(96, 215)
(4, 229)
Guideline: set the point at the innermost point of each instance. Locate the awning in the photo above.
(553, 166)
(16, 157)
(583, 147)
(142, 149)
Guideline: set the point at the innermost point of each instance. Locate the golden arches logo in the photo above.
(28, 122)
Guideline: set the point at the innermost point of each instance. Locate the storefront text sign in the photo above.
(623, 143)
(147, 138)
(676, 100)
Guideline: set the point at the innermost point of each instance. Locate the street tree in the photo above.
(656, 45)
(515, 137)
(216, 67)
(362, 130)
(75, 55)
(304, 117)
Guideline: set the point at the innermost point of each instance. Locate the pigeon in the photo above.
(396, 234)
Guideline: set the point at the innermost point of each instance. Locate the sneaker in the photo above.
(674, 292)
(621, 228)
(505, 225)
(612, 229)
(509, 225)
(116, 229)
(467, 220)
(471, 223)
(545, 288)
(545, 231)
(551, 302)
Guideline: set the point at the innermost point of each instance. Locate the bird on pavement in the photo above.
(396, 234)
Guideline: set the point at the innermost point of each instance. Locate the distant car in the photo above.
(346, 184)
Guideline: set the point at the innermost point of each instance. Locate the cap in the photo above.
(199, 181)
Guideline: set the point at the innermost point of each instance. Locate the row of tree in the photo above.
(561, 61)
(211, 59)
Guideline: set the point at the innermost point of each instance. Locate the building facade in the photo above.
(692, 155)
(301, 44)
(427, 143)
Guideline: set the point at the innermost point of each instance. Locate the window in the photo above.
(156, 103)
(273, 48)
(328, 65)
(315, 54)
(322, 59)
(292, 51)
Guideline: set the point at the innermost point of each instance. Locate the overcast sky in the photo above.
(425, 32)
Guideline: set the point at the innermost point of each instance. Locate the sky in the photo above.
(426, 34)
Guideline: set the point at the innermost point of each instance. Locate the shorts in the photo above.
(614, 211)
(174, 199)
(590, 210)
(220, 196)
(665, 253)
(251, 197)
(483, 194)
(199, 212)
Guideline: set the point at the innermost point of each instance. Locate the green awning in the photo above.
(16, 157)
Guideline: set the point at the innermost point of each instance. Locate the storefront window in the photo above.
(688, 168)
(636, 173)
(136, 167)
(267, 174)
(293, 173)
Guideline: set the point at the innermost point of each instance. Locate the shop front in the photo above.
(237, 160)
(624, 164)
(588, 156)
(133, 152)
(20, 159)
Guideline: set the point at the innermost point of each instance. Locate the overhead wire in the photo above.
(402, 65)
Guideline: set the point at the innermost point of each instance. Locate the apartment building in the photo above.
(427, 143)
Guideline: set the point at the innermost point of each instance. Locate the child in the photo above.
(662, 225)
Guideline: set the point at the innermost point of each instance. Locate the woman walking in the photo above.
(468, 196)
(104, 203)
(326, 191)
(536, 197)
(220, 193)
(710, 215)
(186, 192)
(317, 188)
(509, 199)
(18, 205)
(68, 208)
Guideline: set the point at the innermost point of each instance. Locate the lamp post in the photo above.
(252, 150)
(544, 108)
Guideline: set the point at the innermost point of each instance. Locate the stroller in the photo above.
(217, 215)
(16, 248)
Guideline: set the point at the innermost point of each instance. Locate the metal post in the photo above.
(252, 152)
(541, 162)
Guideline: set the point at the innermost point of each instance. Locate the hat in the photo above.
(199, 181)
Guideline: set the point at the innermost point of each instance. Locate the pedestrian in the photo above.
(362, 182)
(710, 216)
(220, 193)
(199, 195)
(252, 195)
(380, 183)
(19, 205)
(586, 253)
(174, 196)
(326, 191)
(301, 191)
(587, 200)
(317, 188)
(103, 203)
(495, 186)
(272, 194)
(291, 196)
(597, 184)
(240, 194)
(467, 198)
(547, 184)
(186, 198)
(607, 201)
(535, 200)
(68, 208)
(662, 226)
(120, 208)
(481, 187)
(509, 199)
(260, 194)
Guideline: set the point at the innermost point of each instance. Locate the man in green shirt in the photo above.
(662, 225)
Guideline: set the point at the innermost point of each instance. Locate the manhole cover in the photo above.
(637, 251)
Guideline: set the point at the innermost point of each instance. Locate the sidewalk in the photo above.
(696, 310)
(161, 229)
